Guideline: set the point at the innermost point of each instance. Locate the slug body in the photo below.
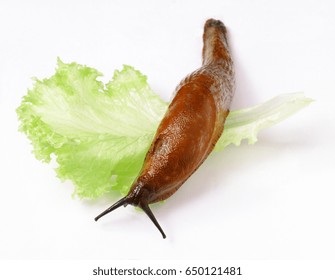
(190, 128)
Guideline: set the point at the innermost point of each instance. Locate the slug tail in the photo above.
(121, 202)
(147, 210)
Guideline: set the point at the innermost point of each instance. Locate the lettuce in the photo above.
(246, 123)
(99, 134)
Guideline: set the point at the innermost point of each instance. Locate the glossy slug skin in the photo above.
(190, 128)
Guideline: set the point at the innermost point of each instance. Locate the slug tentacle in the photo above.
(122, 202)
(147, 210)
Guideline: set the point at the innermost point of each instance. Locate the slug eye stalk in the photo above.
(121, 202)
(147, 210)
(124, 202)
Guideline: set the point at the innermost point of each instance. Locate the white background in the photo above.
(272, 200)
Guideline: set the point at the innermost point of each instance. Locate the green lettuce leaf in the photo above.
(99, 134)
(246, 123)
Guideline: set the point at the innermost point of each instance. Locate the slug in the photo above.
(188, 132)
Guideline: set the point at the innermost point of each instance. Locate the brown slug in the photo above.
(190, 128)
